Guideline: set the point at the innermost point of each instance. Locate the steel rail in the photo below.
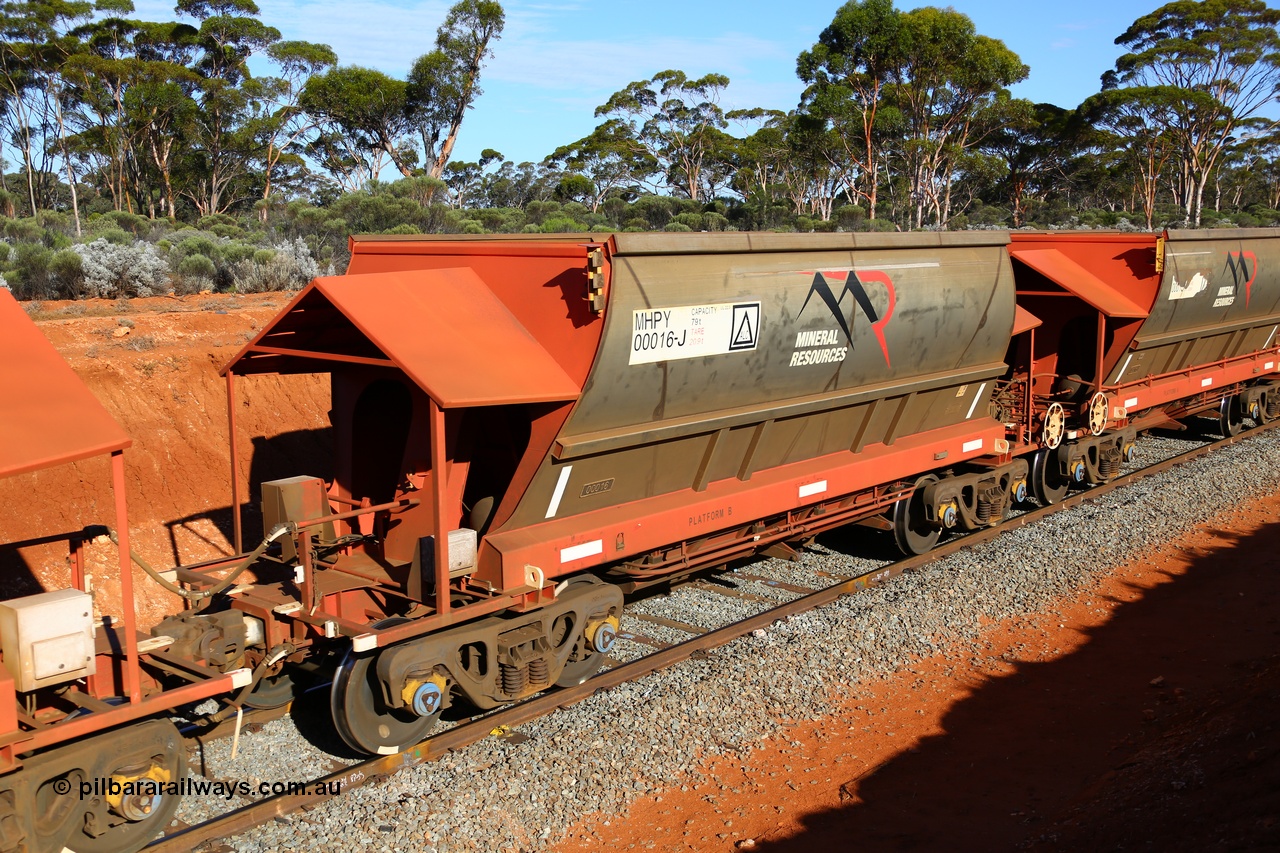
(254, 814)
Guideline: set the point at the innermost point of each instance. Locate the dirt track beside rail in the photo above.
(153, 363)
(1139, 716)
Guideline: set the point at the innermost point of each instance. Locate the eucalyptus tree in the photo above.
(1033, 143)
(949, 82)
(444, 83)
(678, 122)
(1212, 64)
(1133, 123)
(135, 84)
(359, 110)
(465, 181)
(35, 40)
(611, 159)
(847, 71)
(229, 33)
(279, 123)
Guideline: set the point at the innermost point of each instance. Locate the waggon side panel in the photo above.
(1219, 298)
(646, 427)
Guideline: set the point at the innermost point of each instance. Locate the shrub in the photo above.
(112, 270)
(849, 217)
(197, 266)
(561, 224)
(121, 219)
(30, 275)
(198, 244)
(289, 267)
(118, 236)
(66, 271)
(26, 230)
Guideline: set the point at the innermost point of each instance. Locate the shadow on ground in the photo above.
(1085, 752)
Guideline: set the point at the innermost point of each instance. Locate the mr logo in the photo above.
(853, 285)
(745, 331)
(1239, 265)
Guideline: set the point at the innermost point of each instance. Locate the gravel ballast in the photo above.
(642, 736)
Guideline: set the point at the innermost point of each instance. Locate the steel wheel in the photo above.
(912, 531)
(583, 661)
(361, 716)
(1048, 485)
(132, 835)
(1264, 401)
(1230, 418)
(273, 691)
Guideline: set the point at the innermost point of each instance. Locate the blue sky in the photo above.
(560, 59)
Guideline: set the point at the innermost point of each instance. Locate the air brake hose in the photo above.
(225, 583)
(273, 657)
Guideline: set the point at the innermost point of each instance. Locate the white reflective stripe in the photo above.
(970, 446)
(1270, 365)
(364, 643)
(559, 492)
(240, 678)
(1124, 366)
(1206, 382)
(1131, 403)
(813, 488)
(586, 549)
(976, 398)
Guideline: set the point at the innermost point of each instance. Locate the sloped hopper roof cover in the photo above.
(1077, 280)
(444, 328)
(47, 415)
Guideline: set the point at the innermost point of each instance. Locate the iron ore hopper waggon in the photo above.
(526, 429)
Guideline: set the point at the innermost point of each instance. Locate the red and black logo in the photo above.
(855, 286)
(1239, 264)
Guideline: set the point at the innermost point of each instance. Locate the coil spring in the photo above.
(539, 672)
(514, 679)
(1108, 465)
(1273, 406)
(984, 510)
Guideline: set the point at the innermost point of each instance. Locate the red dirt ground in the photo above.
(1141, 715)
(159, 379)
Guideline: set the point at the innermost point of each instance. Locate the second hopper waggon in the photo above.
(1139, 331)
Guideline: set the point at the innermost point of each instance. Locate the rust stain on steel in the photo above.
(50, 417)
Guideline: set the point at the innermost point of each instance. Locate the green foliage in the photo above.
(562, 223)
(137, 226)
(197, 266)
(115, 235)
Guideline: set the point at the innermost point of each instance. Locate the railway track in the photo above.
(660, 654)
